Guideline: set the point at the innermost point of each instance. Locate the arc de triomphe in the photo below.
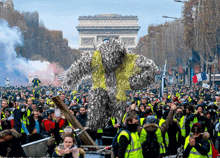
(105, 26)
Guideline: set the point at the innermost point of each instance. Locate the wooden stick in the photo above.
(73, 121)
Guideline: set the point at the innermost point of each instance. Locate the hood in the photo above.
(206, 135)
(152, 127)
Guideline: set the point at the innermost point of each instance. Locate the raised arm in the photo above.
(77, 71)
(147, 74)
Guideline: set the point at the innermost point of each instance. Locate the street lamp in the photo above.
(170, 17)
(179, 1)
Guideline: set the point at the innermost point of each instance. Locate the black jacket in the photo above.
(202, 146)
(31, 125)
(82, 119)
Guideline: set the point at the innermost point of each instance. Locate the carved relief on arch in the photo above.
(87, 41)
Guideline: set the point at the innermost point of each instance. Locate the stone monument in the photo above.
(105, 26)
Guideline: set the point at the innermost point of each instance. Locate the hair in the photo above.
(68, 134)
(36, 110)
(6, 124)
(190, 108)
(131, 117)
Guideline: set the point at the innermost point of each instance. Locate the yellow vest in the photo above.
(166, 134)
(194, 153)
(134, 149)
(158, 133)
(182, 126)
(126, 70)
(25, 122)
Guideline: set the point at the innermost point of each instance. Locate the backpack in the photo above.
(115, 143)
(151, 147)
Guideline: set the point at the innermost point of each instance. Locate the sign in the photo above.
(204, 85)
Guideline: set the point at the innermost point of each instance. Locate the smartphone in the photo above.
(61, 146)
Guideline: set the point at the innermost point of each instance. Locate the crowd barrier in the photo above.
(36, 149)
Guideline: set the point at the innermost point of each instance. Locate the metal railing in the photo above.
(36, 148)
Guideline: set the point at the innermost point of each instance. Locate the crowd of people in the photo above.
(151, 126)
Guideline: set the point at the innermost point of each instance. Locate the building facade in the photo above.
(103, 27)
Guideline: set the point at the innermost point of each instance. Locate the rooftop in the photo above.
(107, 16)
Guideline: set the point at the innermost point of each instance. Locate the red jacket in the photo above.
(50, 125)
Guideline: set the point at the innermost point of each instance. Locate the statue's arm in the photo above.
(147, 75)
(77, 71)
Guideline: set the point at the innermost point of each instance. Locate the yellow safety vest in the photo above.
(142, 121)
(113, 121)
(158, 133)
(166, 134)
(194, 153)
(134, 149)
(124, 117)
(126, 70)
(182, 126)
(192, 122)
(25, 121)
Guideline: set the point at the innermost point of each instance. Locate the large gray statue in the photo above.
(113, 71)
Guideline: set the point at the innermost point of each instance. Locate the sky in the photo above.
(63, 14)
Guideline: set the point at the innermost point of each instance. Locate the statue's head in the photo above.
(113, 52)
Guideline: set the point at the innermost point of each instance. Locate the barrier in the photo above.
(36, 148)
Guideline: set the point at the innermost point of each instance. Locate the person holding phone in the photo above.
(68, 148)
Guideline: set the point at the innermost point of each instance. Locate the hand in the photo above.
(173, 106)
(85, 128)
(116, 125)
(67, 151)
(61, 152)
(34, 131)
(201, 114)
(196, 111)
(192, 141)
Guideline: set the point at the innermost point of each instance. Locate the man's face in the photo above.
(200, 109)
(36, 114)
(82, 111)
(34, 106)
(62, 97)
(29, 101)
(217, 99)
(4, 104)
(144, 101)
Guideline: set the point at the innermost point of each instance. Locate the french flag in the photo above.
(199, 77)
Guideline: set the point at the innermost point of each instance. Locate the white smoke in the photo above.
(18, 69)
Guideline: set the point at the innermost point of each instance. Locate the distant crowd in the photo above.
(163, 124)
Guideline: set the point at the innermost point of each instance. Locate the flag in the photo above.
(199, 77)
(194, 78)
(204, 76)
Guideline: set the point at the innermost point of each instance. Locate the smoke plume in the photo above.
(19, 70)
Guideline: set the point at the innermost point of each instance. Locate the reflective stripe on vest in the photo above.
(194, 153)
(134, 149)
(125, 70)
